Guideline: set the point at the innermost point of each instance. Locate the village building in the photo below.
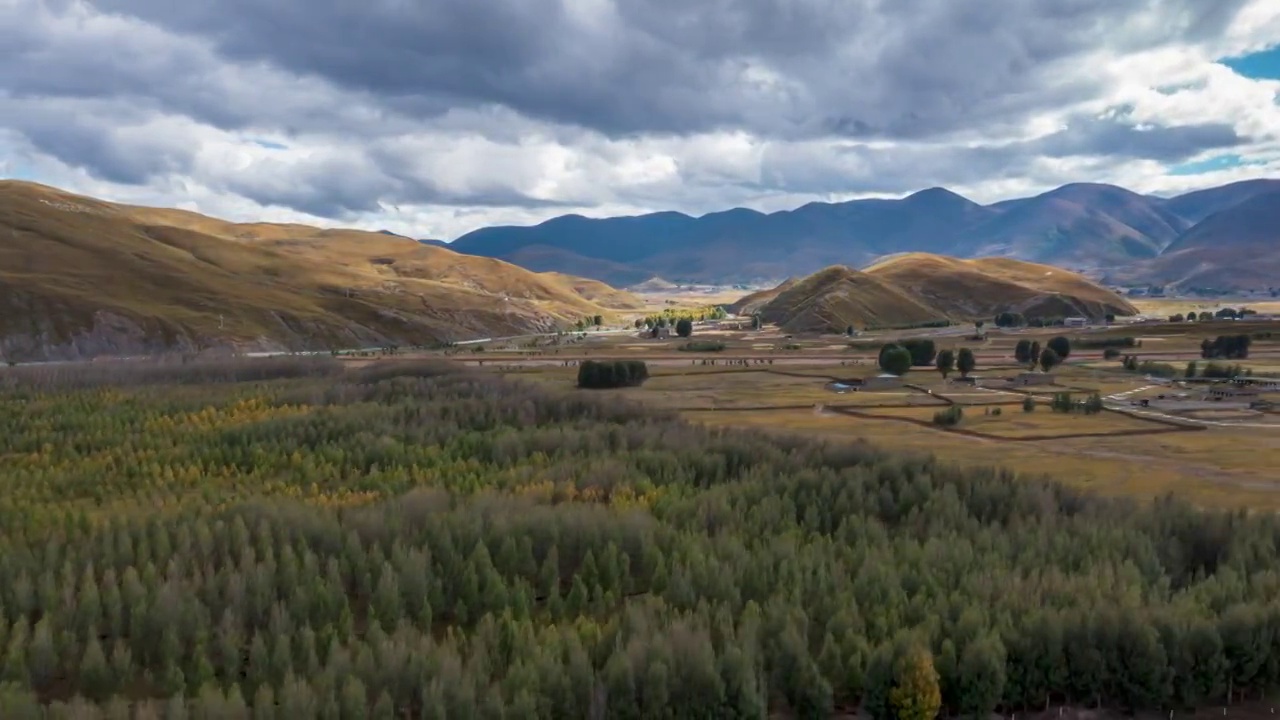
(1075, 322)
(886, 381)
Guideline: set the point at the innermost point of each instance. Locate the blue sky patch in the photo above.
(18, 171)
(1217, 162)
(268, 144)
(1264, 65)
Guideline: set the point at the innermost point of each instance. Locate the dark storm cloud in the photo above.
(1121, 139)
(907, 68)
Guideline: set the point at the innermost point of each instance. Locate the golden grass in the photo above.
(1213, 468)
(1013, 423)
(984, 286)
(65, 259)
(1174, 306)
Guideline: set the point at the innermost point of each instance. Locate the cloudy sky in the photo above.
(434, 117)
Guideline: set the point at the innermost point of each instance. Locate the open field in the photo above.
(1216, 455)
(1175, 306)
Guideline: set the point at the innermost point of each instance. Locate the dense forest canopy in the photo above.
(281, 539)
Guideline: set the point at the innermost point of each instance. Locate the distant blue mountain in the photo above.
(1082, 226)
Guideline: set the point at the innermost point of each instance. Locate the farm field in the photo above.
(1214, 456)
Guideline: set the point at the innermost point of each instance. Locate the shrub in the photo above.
(949, 417)
(702, 346)
(1111, 353)
(1221, 371)
(1229, 347)
(598, 375)
(1104, 342)
(1028, 404)
(1010, 319)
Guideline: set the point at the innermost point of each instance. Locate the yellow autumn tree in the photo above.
(915, 694)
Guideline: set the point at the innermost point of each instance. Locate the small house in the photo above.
(1075, 322)
(1027, 379)
(886, 381)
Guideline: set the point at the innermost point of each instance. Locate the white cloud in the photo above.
(155, 104)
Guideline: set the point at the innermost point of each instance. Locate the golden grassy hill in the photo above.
(918, 288)
(984, 287)
(834, 298)
(598, 292)
(81, 277)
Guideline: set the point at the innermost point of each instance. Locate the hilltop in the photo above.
(921, 288)
(1081, 226)
(983, 287)
(80, 277)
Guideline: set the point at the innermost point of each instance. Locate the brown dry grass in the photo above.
(1220, 467)
(66, 258)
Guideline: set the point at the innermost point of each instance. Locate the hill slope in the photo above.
(1083, 226)
(920, 288)
(1198, 205)
(984, 287)
(834, 298)
(81, 278)
(1080, 225)
(1235, 248)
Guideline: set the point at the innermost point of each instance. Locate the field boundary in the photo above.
(1168, 429)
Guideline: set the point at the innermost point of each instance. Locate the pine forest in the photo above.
(287, 539)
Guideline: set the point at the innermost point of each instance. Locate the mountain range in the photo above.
(81, 278)
(1207, 238)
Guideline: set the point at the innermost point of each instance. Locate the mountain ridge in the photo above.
(1090, 227)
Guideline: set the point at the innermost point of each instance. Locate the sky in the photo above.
(435, 117)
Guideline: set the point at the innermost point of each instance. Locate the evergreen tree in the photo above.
(966, 362)
(946, 362)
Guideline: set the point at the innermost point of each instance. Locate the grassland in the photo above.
(80, 278)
